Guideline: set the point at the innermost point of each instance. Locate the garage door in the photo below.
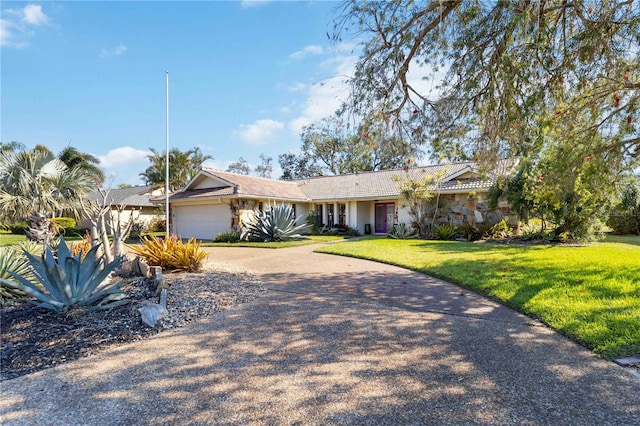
(202, 222)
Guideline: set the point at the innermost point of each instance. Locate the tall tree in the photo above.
(183, 166)
(332, 147)
(197, 159)
(265, 168)
(35, 184)
(521, 78)
(72, 158)
(12, 146)
(241, 167)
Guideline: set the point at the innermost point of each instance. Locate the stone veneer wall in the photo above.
(474, 209)
(239, 207)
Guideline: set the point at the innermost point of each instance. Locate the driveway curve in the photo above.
(337, 341)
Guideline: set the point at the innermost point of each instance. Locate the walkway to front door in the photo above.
(384, 217)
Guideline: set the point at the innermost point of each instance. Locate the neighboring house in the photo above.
(215, 201)
(136, 200)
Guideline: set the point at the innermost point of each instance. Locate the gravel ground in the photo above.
(336, 341)
(34, 339)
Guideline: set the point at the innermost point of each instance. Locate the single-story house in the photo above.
(215, 201)
(136, 201)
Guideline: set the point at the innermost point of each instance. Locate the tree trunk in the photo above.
(39, 229)
(106, 246)
(120, 232)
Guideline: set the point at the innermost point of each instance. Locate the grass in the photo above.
(590, 293)
(11, 239)
(312, 239)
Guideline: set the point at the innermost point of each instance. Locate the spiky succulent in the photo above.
(400, 231)
(12, 260)
(68, 280)
(275, 223)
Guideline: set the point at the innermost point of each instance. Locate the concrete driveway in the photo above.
(337, 341)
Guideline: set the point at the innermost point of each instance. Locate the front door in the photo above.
(384, 217)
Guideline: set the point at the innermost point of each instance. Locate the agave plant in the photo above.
(276, 223)
(401, 231)
(12, 260)
(69, 280)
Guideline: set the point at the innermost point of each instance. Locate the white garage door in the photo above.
(201, 222)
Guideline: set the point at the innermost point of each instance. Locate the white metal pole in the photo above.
(166, 176)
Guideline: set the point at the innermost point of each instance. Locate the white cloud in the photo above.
(313, 49)
(17, 25)
(253, 3)
(33, 15)
(116, 51)
(326, 96)
(260, 132)
(124, 156)
(297, 87)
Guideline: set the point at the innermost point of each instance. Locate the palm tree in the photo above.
(72, 158)
(183, 166)
(34, 184)
(197, 159)
(11, 146)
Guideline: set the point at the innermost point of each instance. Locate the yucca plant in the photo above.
(68, 281)
(400, 231)
(276, 223)
(445, 231)
(171, 253)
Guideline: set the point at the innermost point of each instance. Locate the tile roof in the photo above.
(138, 196)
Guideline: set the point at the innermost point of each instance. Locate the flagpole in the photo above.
(166, 176)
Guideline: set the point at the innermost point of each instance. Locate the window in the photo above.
(330, 214)
(342, 214)
(319, 214)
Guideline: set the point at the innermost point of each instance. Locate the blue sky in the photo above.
(244, 77)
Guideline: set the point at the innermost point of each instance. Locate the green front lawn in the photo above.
(11, 239)
(311, 239)
(590, 293)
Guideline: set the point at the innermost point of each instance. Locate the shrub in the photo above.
(157, 224)
(312, 222)
(227, 237)
(137, 229)
(19, 228)
(468, 232)
(276, 223)
(171, 253)
(445, 231)
(535, 232)
(401, 231)
(69, 281)
(66, 223)
(625, 217)
(624, 223)
(353, 232)
(495, 230)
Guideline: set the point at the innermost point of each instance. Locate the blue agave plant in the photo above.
(69, 280)
(276, 223)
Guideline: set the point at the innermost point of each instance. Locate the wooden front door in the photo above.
(384, 217)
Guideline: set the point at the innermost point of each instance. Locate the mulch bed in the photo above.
(33, 338)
